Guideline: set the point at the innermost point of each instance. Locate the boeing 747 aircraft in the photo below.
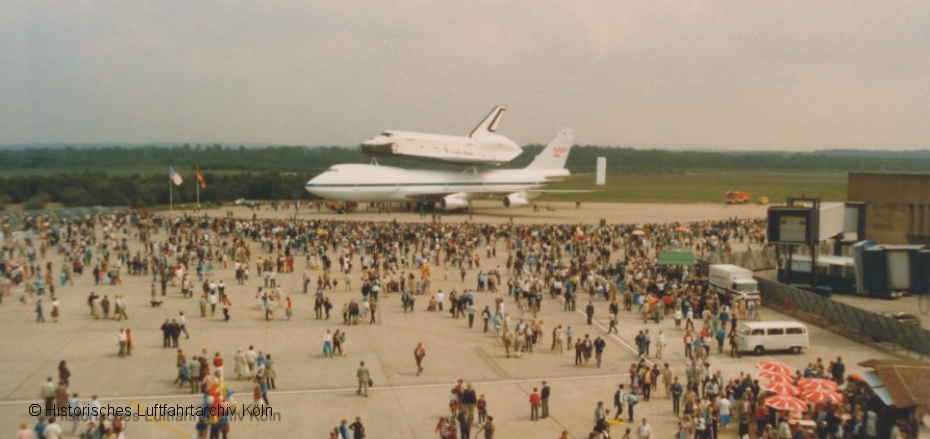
(450, 190)
(482, 147)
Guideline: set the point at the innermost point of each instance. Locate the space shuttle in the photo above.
(484, 146)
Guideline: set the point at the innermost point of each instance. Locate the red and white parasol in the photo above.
(775, 366)
(774, 376)
(820, 396)
(817, 384)
(780, 388)
(786, 403)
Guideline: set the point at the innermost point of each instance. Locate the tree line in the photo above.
(97, 188)
(313, 160)
(279, 172)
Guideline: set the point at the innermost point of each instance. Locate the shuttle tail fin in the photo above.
(554, 155)
(489, 123)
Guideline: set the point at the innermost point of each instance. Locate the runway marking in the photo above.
(617, 339)
(177, 431)
(347, 389)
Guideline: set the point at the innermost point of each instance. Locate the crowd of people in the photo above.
(613, 264)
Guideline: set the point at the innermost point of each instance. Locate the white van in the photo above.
(759, 337)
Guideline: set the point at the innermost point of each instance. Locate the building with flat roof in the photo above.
(897, 206)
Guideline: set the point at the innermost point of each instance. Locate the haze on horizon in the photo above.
(788, 76)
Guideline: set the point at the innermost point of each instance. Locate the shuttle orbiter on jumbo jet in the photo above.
(482, 147)
(450, 190)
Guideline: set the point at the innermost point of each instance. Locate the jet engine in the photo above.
(453, 202)
(516, 199)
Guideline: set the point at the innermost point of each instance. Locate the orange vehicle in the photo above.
(737, 197)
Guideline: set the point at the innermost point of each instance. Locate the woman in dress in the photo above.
(241, 366)
(685, 429)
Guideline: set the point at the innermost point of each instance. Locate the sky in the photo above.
(722, 75)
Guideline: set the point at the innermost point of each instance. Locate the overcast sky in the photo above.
(653, 74)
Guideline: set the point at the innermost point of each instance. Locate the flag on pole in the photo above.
(174, 177)
(200, 180)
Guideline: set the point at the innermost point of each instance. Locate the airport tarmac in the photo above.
(314, 392)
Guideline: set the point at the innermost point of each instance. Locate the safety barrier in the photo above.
(858, 324)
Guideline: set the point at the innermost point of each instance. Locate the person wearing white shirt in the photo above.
(723, 405)
(74, 404)
(93, 410)
(644, 431)
(52, 430)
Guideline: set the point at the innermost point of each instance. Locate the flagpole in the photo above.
(170, 193)
(198, 186)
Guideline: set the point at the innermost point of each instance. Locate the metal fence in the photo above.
(857, 324)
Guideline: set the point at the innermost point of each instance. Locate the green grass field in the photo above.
(703, 186)
(690, 186)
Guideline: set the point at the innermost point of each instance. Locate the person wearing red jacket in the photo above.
(218, 364)
(535, 403)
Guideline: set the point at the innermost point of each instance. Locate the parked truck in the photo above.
(737, 197)
(733, 282)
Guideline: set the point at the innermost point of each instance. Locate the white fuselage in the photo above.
(487, 148)
(374, 183)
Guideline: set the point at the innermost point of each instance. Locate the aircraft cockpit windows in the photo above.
(386, 134)
(333, 169)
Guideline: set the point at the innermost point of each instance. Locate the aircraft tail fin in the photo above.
(554, 155)
(489, 123)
